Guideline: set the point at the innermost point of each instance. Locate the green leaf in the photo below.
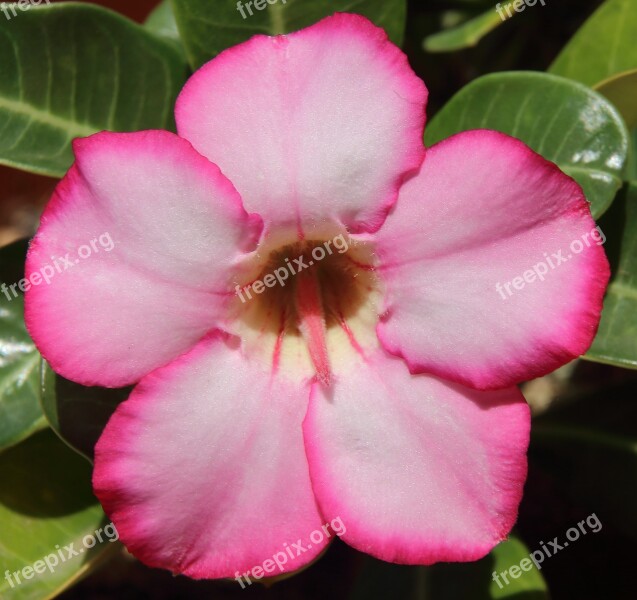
(208, 27)
(621, 90)
(469, 33)
(564, 121)
(530, 585)
(70, 70)
(603, 46)
(20, 413)
(631, 171)
(46, 503)
(78, 414)
(161, 22)
(616, 340)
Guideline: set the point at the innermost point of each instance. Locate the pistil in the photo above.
(310, 310)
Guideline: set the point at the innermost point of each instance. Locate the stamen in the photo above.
(312, 322)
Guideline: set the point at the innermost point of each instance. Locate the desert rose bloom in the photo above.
(375, 385)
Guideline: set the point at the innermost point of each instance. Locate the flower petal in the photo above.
(203, 470)
(419, 470)
(161, 227)
(322, 123)
(483, 211)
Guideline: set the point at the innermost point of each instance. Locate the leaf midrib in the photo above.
(69, 126)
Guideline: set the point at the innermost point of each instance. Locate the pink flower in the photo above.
(375, 385)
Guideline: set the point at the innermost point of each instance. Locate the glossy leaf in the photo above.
(20, 413)
(566, 122)
(46, 504)
(616, 339)
(208, 27)
(78, 414)
(603, 46)
(76, 69)
(469, 33)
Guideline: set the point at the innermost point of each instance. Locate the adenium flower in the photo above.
(376, 385)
